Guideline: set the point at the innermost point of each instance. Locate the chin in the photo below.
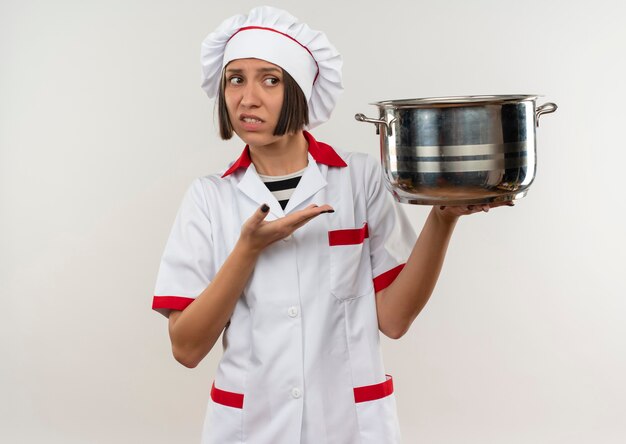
(257, 139)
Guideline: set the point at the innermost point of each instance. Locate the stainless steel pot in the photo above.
(459, 150)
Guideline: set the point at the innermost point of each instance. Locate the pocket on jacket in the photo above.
(224, 420)
(350, 270)
(377, 413)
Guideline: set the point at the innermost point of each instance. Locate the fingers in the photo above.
(299, 218)
(478, 208)
(311, 212)
(486, 207)
(259, 215)
(324, 208)
(462, 210)
(508, 203)
(284, 226)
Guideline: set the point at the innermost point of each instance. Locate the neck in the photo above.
(286, 155)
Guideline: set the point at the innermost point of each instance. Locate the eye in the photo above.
(235, 80)
(271, 81)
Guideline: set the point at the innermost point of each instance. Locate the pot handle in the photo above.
(546, 108)
(362, 118)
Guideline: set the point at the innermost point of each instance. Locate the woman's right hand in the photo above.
(257, 234)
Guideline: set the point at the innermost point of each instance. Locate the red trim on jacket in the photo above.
(228, 399)
(243, 161)
(373, 392)
(352, 236)
(321, 152)
(384, 280)
(361, 394)
(171, 302)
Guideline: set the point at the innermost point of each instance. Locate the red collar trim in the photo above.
(321, 152)
(244, 162)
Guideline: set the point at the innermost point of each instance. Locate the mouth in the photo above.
(247, 118)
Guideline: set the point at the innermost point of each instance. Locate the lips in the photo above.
(251, 123)
(250, 118)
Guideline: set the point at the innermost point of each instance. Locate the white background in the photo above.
(103, 125)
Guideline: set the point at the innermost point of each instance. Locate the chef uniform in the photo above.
(301, 360)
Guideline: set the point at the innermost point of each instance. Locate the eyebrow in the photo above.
(240, 71)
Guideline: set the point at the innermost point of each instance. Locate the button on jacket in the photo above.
(301, 360)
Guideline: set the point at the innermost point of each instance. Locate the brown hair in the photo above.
(294, 114)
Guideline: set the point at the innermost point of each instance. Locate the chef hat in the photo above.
(277, 37)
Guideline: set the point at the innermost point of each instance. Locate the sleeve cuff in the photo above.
(385, 279)
(164, 304)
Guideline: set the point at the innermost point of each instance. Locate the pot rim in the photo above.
(455, 101)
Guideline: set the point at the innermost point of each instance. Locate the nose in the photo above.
(250, 95)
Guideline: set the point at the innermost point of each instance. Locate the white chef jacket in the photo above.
(301, 360)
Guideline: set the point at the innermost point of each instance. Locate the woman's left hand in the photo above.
(451, 213)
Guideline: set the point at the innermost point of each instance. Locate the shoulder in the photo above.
(217, 180)
(358, 162)
(336, 156)
(364, 169)
(366, 172)
(202, 190)
(209, 181)
(363, 172)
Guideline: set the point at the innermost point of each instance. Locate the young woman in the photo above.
(296, 253)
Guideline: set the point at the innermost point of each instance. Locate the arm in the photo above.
(399, 304)
(194, 331)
